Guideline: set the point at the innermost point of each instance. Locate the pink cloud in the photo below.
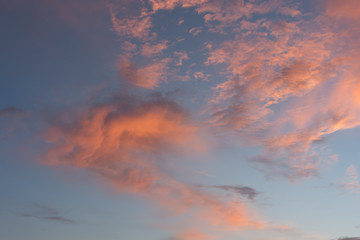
(195, 31)
(193, 235)
(126, 142)
(277, 69)
(164, 4)
(148, 76)
(182, 56)
(351, 181)
(149, 50)
(171, 4)
(345, 9)
(271, 67)
(229, 11)
(134, 27)
(128, 46)
(202, 76)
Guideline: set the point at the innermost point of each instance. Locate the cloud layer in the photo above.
(126, 143)
(279, 76)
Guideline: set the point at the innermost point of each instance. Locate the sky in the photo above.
(180, 119)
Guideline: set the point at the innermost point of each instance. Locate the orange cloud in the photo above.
(278, 70)
(272, 64)
(171, 4)
(126, 142)
(193, 235)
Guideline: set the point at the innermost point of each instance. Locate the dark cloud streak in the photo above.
(243, 191)
(47, 213)
(349, 238)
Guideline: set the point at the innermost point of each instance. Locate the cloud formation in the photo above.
(349, 238)
(149, 50)
(148, 76)
(283, 83)
(277, 72)
(126, 143)
(349, 9)
(242, 191)
(46, 213)
(351, 181)
(192, 235)
(133, 27)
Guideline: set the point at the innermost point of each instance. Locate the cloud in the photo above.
(242, 191)
(349, 238)
(193, 235)
(349, 9)
(171, 4)
(195, 31)
(12, 112)
(151, 50)
(229, 11)
(46, 213)
(182, 56)
(127, 142)
(128, 46)
(223, 11)
(277, 73)
(351, 181)
(224, 14)
(133, 27)
(148, 76)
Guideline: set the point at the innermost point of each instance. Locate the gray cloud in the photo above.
(47, 213)
(12, 112)
(349, 238)
(243, 191)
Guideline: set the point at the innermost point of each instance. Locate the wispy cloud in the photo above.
(148, 76)
(349, 238)
(282, 83)
(134, 27)
(193, 235)
(240, 190)
(149, 50)
(47, 213)
(351, 181)
(126, 142)
(182, 56)
(195, 31)
(277, 74)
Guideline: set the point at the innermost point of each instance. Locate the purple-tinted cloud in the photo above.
(242, 191)
(12, 112)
